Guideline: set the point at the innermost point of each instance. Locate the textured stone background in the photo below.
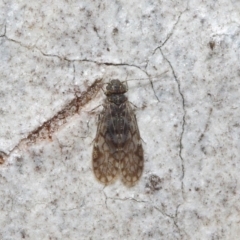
(54, 57)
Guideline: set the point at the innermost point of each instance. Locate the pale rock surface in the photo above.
(182, 63)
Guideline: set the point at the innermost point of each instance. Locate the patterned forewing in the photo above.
(132, 163)
(105, 162)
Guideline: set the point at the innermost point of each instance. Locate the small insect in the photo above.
(117, 148)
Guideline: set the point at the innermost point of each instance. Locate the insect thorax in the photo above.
(118, 99)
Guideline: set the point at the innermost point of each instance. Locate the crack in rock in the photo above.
(81, 60)
(4, 33)
(181, 94)
(172, 31)
(173, 218)
(67, 59)
(183, 120)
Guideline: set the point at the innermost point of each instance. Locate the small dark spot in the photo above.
(212, 45)
(19, 159)
(89, 14)
(150, 234)
(37, 168)
(190, 189)
(144, 106)
(196, 189)
(203, 149)
(115, 31)
(23, 234)
(108, 49)
(202, 21)
(201, 137)
(1, 159)
(95, 29)
(238, 72)
(154, 183)
(54, 202)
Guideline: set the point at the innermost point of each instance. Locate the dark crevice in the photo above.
(163, 213)
(5, 29)
(116, 217)
(105, 63)
(106, 198)
(183, 120)
(127, 199)
(84, 60)
(172, 31)
(151, 83)
(71, 209)
(51, 55)
(70, 60)
(18, 43)
(173, 218)
(164, 42)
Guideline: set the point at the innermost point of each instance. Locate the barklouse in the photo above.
(117, 147)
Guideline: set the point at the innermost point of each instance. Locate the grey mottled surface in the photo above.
(54, 57)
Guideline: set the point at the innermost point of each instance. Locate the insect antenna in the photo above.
(157, 76)
(125, 81)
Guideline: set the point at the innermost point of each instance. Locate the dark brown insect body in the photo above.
(117, 147)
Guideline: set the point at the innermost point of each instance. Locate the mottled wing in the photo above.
(132, 163)
(105, 162)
